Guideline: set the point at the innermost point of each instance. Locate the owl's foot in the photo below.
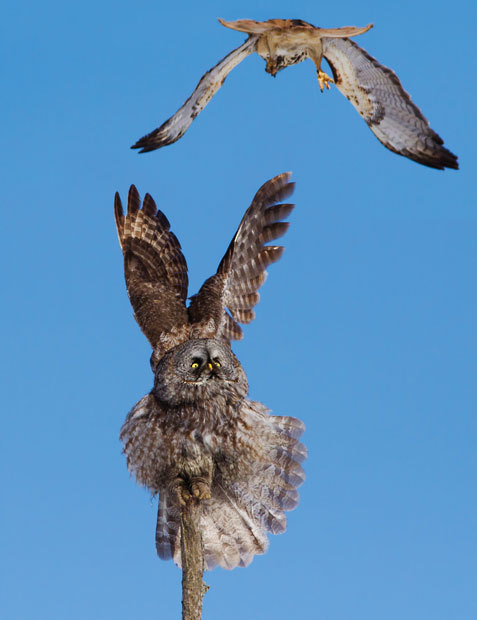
(180, 490)
(185, 492)
(200, 488)
(324, 80)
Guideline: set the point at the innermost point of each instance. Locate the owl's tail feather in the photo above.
(239, 515)
(168, 543)
(230, 534)
(231, 537)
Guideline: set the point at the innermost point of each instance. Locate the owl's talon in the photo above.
(185, 492)
(200, 488)
(324, 80)
(179, 488)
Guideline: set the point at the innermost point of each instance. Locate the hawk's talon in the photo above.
(324, 80)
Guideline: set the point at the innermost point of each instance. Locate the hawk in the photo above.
(196, 436)
(374, 90)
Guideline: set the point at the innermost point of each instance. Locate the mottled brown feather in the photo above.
(154, 267)
(241, 271)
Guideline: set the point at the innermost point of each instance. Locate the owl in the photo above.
(196, 437)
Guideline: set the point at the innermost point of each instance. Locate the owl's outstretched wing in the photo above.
(242, 269)
(154, 267)
(377, 94)
(176, 126)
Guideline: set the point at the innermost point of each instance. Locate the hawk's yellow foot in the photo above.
(324, 80)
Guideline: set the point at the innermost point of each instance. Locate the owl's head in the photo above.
(199, 369)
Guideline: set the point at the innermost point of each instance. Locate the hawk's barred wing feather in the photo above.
(376, 92)
(176, 126)
(241, 271)
(154, 267)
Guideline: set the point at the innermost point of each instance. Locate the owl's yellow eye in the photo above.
(195, 365)
(216, 363)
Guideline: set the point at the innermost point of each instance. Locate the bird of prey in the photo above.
(374, 90)
(196, 437)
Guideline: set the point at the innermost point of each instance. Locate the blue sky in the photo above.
(365, 330)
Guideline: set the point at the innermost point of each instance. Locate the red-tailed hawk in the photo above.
(374, 90)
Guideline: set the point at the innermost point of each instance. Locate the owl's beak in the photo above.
(209, 364)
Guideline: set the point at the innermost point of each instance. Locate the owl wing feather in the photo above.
(154, 267)
(242, 270)
(176, 126)
(377, 94)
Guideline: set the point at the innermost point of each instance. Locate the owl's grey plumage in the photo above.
(196, 436)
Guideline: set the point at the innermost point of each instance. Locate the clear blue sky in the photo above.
(366, 329)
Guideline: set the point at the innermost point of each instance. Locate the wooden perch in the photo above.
(192, 557)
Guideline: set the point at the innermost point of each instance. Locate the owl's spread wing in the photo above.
(176, 126)
(242, 270)
(377, 94)
(154, 267)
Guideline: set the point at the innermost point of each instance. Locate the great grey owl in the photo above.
(196, 436)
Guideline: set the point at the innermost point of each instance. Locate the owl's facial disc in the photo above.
(203, 360)
(203, 368)
(204, 363)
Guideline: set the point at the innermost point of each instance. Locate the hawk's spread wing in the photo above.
(154, 267)
(377, 94)
(242, 269)
(176, 126)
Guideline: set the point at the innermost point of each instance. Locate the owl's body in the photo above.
(195, 436)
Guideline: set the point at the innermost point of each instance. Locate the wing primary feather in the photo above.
(119, 217)
(155, 270)
(378, 95)
(176, 126)
(134, 200)
(149, 206)
(241, 272)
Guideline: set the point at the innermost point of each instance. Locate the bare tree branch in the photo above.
(192, 557)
